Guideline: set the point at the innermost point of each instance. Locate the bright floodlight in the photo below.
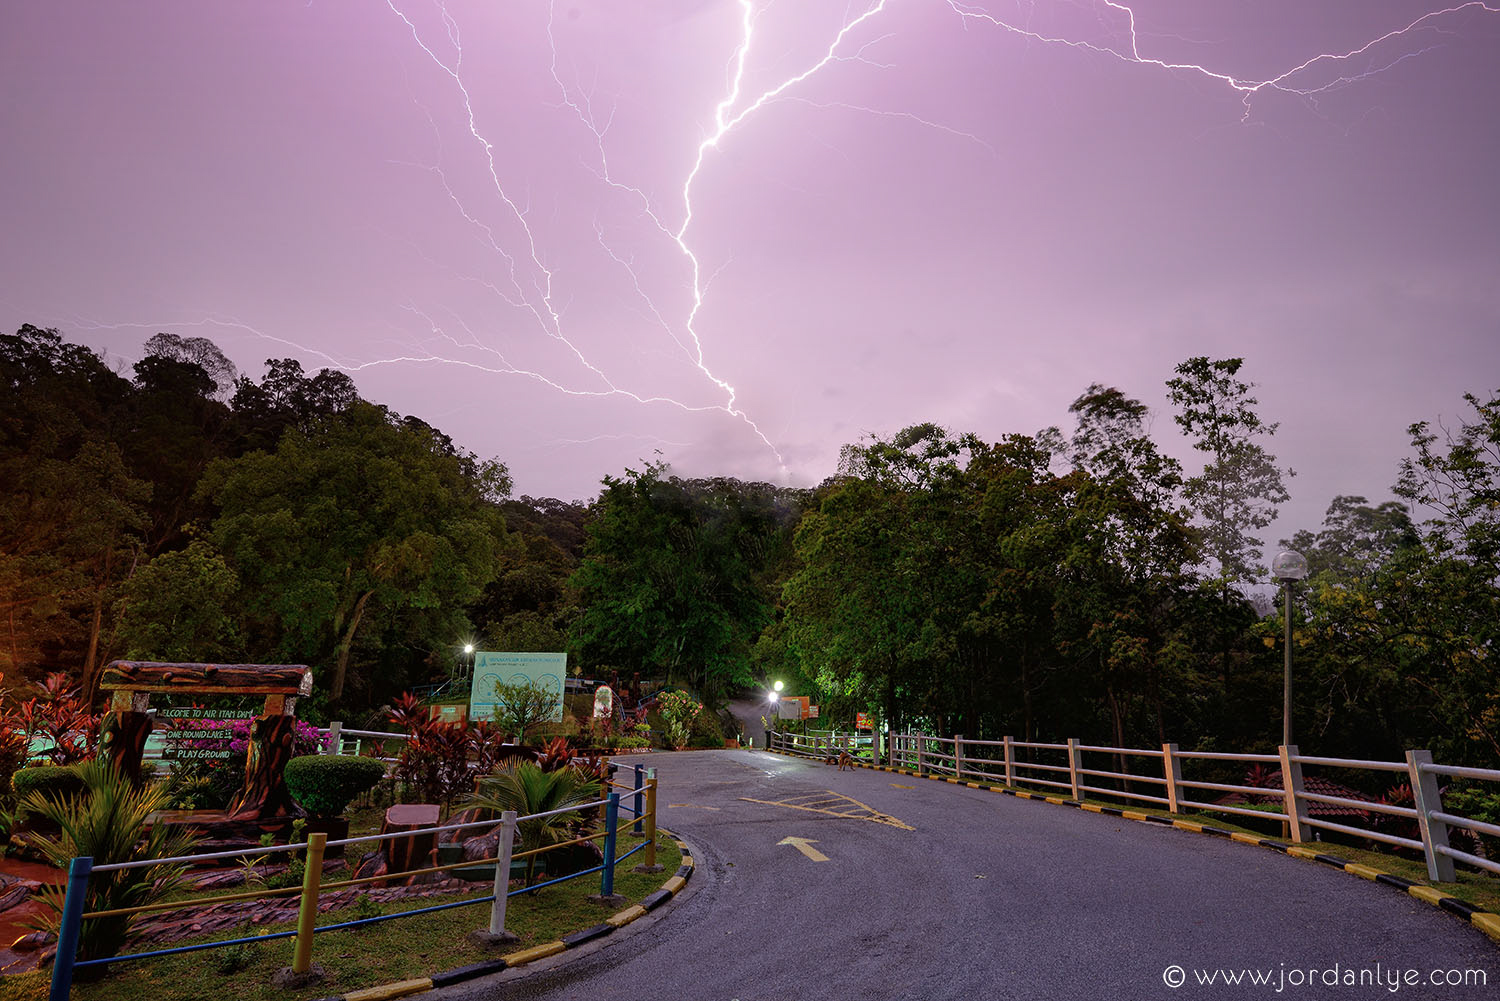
(468, 648)
(777, 686)
(1289, 565)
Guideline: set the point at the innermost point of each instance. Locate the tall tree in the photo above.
(671, 576)
(357, 525)
(1240, 487)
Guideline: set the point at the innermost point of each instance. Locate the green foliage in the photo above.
(678, 711)
(364, 908)
(525, 788)
(179, 607)
(292, 875)
(108, 821)
(1240, 487)
(325, 783)
(54, 782)
(358, 527)
(520, 706)
(234, 958)
(676, 573)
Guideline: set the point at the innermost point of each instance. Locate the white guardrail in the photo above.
(1065, 767)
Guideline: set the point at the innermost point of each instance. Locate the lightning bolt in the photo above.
(526, 281)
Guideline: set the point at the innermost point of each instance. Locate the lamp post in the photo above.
(773, 698)
(469, 652)
(1288, 566)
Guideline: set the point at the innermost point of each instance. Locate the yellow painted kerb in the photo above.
(1248, 839)
(1487, 923)
(1363, 870)
(674, 884)
(399, 989)
(1427, 893)
(1301, 851)
(534, 953)
(626, 916)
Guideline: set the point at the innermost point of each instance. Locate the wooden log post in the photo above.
(123, 733)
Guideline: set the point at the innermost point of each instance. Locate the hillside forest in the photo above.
(1068, 582)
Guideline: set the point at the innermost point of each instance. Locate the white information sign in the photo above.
(545, 670)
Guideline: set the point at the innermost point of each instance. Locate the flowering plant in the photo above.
(678, 710)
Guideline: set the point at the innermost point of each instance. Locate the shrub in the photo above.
(107, 821)
(678, 710)
(54, 782)
(324, 784)
(526, 789)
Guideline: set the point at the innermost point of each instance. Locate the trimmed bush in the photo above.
(325, 783)
(56, 782)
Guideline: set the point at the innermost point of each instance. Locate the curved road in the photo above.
(988, 897)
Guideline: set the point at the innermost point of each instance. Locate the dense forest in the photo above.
(1045, 585)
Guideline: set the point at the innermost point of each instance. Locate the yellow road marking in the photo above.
(852, 809)
(805, 846)
(898, 785)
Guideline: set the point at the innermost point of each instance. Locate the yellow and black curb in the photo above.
(1485, 921)
(649, 903)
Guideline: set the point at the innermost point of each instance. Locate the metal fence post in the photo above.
(1075, 768)
(67, 932)
(502, 872)
(892, 739)
(958, 756)
(1291, 784)
(636, 806)
(1428, 798)
(307, 912)
(611, 823)
(1010, 761)
(921, 755)
(649, 865)
(1172, 771)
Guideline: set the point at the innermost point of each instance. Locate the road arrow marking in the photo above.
(805, 846)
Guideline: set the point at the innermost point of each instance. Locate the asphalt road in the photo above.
(987, 897)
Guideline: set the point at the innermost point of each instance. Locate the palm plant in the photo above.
(525, 788)
(108, 821)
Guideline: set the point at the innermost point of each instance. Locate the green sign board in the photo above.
(545, 670)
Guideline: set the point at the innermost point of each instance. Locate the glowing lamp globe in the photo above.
(1289, 566)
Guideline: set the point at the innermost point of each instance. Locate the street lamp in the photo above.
(772, 698)
(469, 652)
(1288, 566)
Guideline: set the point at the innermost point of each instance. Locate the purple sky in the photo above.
(963, 219)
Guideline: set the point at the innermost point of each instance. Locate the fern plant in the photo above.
(527, 789)
(107, 821)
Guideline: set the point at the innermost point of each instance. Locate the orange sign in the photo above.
(862, 721)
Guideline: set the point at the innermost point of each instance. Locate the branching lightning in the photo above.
(527, 281)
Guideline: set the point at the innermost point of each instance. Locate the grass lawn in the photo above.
(376, 954)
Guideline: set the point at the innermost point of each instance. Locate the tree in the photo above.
(521, 705)
(672, 577)
(363, 529)
(178, 608)
(1240, 487)
(71, 512)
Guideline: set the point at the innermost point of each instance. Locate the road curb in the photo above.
(515, 960)
(1486, 921)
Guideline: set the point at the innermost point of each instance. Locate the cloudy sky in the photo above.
(575, 234)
